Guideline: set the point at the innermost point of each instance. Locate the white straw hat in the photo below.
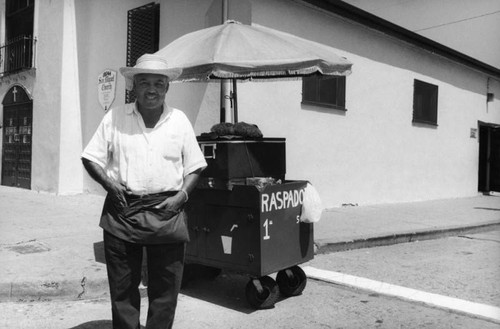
(149, 63)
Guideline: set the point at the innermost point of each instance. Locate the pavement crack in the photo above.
(17, 243)
(52, 284)
(83, 284)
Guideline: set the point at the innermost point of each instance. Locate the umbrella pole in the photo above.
(235, 102)
(222, 102)
(225, 93)
(225, 101)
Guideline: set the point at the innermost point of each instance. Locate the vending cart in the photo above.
(245, 217)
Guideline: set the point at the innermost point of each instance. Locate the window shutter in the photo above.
(143, 31)
(425, 102)
(327, 91)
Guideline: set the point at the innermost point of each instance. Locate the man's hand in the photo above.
(177, 201)
(117, 192)
(174, 202)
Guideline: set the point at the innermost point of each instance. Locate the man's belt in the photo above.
(152, 195)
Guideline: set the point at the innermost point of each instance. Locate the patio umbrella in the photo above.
(249, 52)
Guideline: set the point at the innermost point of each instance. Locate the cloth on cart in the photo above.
(312, 207)
(239, 129)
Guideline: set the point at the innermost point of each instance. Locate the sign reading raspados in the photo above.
(281, 200)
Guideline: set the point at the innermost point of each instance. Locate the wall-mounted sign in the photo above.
(106, 88)
(473, 132)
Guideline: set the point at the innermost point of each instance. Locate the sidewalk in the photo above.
(48, 243)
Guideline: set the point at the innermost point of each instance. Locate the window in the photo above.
(425, 100)
(18, 51)
(328, 91)
(143, 35)
(19, 18)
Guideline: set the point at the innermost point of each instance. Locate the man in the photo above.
(145, 155)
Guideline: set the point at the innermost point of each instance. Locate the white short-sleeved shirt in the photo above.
(145, 160)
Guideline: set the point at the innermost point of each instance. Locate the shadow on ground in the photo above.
(222, 288)
(99, 324)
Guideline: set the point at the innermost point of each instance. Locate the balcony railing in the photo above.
(17, 55)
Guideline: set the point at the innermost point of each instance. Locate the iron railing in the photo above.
(17, 55)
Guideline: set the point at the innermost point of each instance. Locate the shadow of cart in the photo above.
(222, 288)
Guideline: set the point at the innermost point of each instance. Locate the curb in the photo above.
(325, 246)
(97, 287)
(457, 305)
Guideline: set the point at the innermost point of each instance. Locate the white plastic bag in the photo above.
(312, 206)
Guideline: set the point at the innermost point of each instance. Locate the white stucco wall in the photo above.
(56, 101)
(102, 41)
(53, 87)
(200, 101)
(102, 44)
(70, 147)
(370, 154)
(46, 97)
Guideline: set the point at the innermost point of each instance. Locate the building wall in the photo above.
(102, 41)
(200, 101)
(53, 87)
(46, 97)
(102, 45)
(371, 153)
(42, 85)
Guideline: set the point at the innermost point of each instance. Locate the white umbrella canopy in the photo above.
(237, 51)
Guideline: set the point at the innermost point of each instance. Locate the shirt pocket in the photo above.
(171, 149)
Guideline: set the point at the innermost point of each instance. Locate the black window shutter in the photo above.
(328, 91)
(425, 102)
(143, 32)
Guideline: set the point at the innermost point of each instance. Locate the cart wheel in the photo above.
(291, 281)
(262, 293)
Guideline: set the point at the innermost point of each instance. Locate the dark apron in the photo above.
(140, 222)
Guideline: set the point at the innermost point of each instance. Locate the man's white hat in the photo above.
(149, 63)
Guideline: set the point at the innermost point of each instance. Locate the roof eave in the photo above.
(353, 13)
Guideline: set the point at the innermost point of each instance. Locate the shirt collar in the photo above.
(132, 108)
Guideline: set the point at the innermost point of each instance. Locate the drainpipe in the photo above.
(488, 161)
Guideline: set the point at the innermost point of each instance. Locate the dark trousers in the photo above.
(165, 264)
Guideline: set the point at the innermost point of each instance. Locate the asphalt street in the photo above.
(465, 268)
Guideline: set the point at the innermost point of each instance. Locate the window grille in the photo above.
(17, 55)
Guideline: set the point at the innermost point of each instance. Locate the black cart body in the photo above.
(248, 230)
(240, 223)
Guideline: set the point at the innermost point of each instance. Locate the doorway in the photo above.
(16, 142)
(489, 157)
